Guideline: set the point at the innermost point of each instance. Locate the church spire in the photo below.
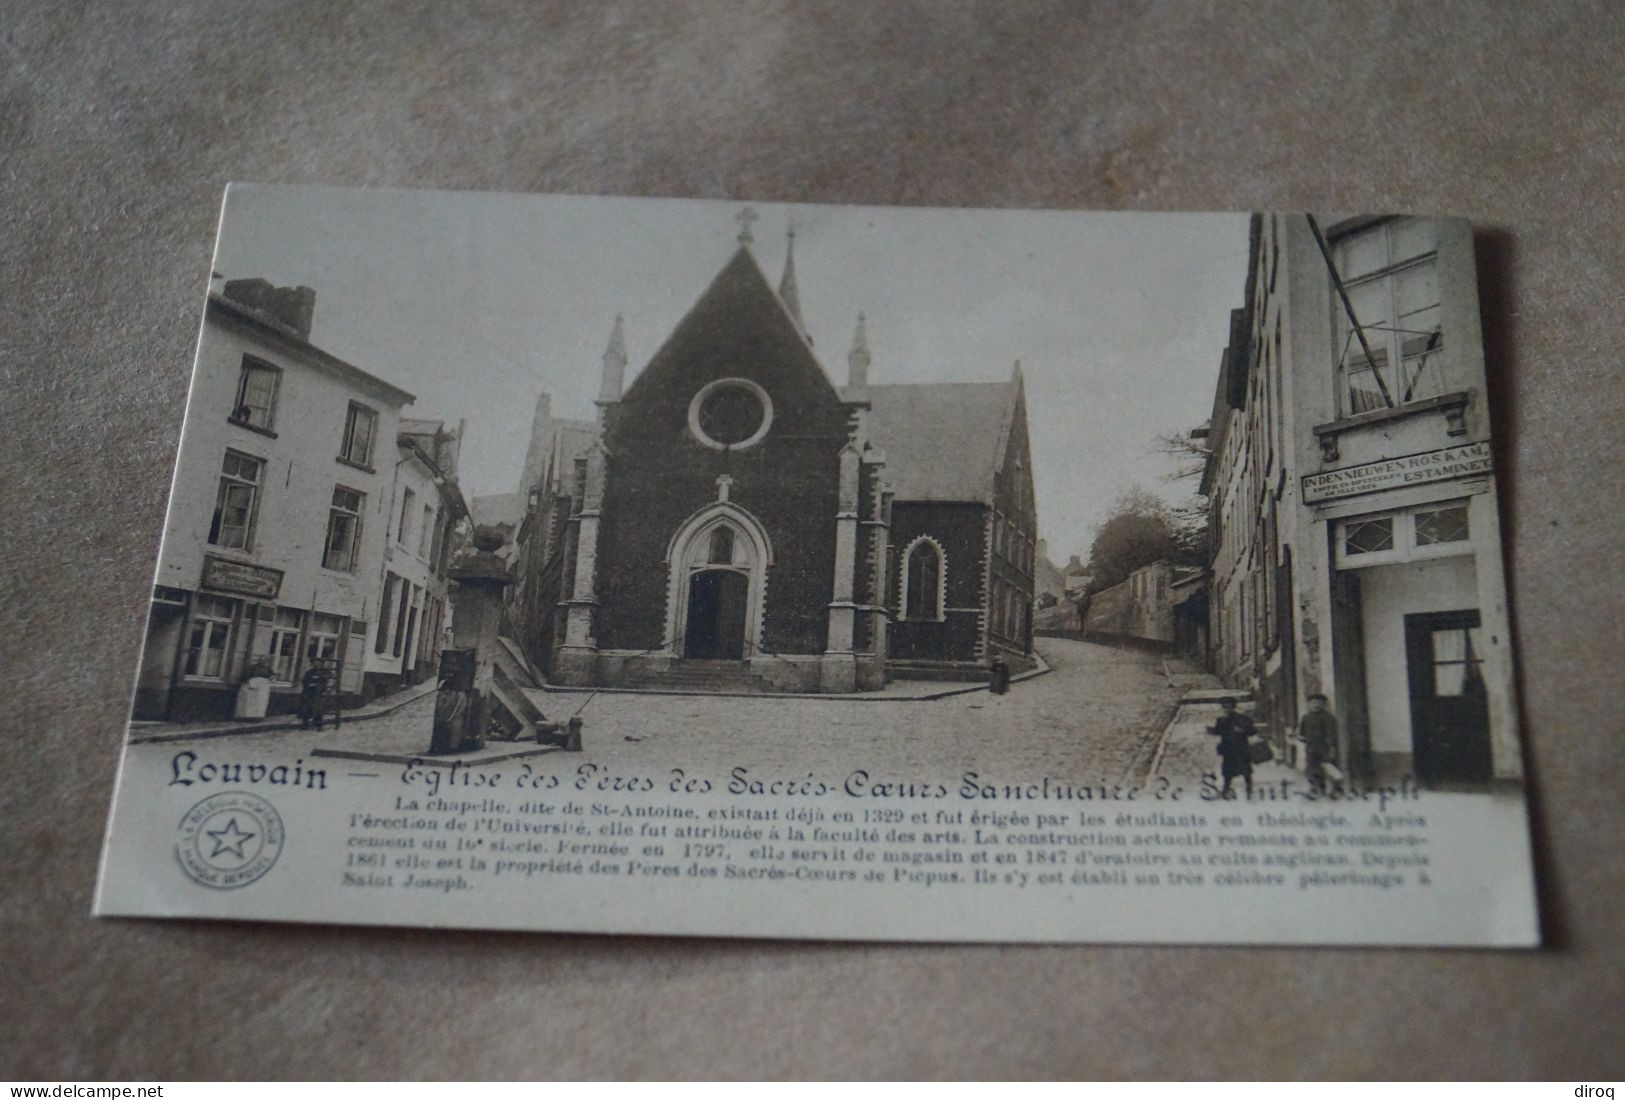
(745, 216)
(857, 360)
(787, 285)
(609, 390)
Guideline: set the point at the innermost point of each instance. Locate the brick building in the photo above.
(742, 521)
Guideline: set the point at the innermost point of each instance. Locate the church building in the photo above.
(742, 522)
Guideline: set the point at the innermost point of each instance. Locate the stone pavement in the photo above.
(407, 724)
(1188, 751)
(141, 732)
(894, 691)
(1096, 717)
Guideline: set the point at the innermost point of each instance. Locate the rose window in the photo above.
(730, 414)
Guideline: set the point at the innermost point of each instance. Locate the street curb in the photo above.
(1169, 715)
(1041, 668)
(276, 726)
(429, 761)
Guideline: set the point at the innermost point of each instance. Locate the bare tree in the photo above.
(1189, 451)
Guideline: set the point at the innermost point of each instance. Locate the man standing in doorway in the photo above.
(1317, 729)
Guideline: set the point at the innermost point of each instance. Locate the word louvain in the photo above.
(185, 770)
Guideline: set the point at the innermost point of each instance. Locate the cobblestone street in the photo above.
(1094, 718)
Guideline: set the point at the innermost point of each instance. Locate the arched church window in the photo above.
(722, 546)
(922, 596)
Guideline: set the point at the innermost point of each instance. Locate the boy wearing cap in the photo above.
(1234, 730)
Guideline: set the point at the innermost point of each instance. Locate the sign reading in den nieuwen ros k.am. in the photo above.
(240, 577)
(1448, 462)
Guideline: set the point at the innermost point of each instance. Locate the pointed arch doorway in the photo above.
(718, 561)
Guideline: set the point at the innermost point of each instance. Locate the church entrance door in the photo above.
(716, 615)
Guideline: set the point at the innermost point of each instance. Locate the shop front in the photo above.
(203, 644)
(1412, 635)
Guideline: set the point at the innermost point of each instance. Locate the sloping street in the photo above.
(1096, 717)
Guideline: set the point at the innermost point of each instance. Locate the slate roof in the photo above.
(944, 440)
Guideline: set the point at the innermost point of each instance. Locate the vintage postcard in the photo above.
(662, 566)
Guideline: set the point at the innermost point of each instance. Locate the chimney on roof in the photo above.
(294, 307)
(857, 360)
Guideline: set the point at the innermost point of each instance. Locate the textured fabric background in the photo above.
(119, 125)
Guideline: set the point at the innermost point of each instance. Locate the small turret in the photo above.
(857, 360)
(609, 390)
(788, 293)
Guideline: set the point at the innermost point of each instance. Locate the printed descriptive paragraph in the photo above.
(465, 831)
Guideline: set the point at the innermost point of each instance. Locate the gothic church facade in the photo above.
(743, 522)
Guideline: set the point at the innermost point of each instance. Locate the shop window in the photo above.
(342, 548)
(1441, 525)
(283, 650)
(1390, 271)
(232, 525)
(210, 639)
(360, 426)
(255, 406)
(323, 640)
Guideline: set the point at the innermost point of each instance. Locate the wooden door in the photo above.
(1450, 723)
(716, 615)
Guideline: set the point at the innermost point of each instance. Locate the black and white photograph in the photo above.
(609, 564)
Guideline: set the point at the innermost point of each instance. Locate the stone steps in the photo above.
(938, 670)
(693, 675)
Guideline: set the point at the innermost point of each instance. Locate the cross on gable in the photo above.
(744, 218)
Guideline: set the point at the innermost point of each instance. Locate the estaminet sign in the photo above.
(1440, 465)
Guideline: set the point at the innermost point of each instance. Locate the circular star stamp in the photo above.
(229, 840)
